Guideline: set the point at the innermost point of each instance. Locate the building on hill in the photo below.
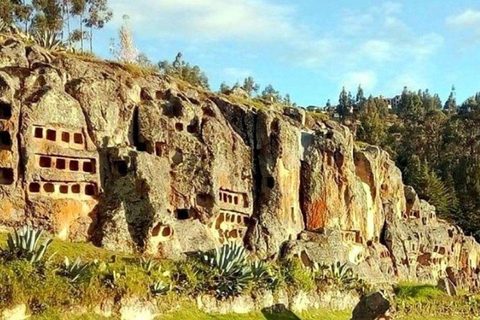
(394, 102)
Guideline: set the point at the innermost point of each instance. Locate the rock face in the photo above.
(89, 152)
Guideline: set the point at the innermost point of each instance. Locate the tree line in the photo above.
(252, 89)
(437, 146)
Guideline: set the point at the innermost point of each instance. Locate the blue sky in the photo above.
(311, 48)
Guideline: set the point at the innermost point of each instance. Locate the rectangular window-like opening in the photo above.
(51, 135)
(78, 138)
(5, 111)
(179, 126)
(182, 214)
(235, 199)
(5, 140)
(73, 165)
(38, 133)
(45, 162)
(34, 187)
(64, 189)
(89, 166)
(66, 137)
(90, 190)
(6, 176)
(61, 164)
(49, 188)
(76, 188)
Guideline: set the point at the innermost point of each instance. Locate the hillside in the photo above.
(134, 162)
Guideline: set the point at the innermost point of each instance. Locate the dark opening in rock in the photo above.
(61, 164)
(5, 140)
(45, 162)
(6, 176)
(34, 187)
(205, 200)
(156, 230)
(49, 188)
(51, 135)
(76, 188)
(63, 189)
(141, 146)
(73, 165)
(179, 126)
(66, 137)
(78, 138)
(167, 231)
(183, 214)
(5, 111)
(38, 133)
(121, 168)
(270, 182)
(274, 126)
(89, 166)
(90, 190)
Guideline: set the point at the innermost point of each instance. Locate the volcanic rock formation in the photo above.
(90, 152)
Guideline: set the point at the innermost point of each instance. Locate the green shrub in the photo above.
(297, 276)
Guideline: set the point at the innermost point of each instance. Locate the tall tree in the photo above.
(78, 9)
(360, 98)
(48, 16)
(343, 104)
(250, 86)
(270, 94)
(451, 103)
(98, 15)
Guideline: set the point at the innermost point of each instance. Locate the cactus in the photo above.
(23, 244)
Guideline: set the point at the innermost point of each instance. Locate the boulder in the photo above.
(372, 307)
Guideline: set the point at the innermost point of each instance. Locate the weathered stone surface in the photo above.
(88, 152)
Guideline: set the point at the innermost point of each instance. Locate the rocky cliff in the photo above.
(90, 152)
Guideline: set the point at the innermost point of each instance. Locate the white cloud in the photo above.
(378, 50)
(367, 79)
(467, 19)
(248, 22)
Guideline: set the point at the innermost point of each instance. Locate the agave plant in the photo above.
(48, 40)
(23, 244)
(159, 288)
(148, 265)
(231, 272)
(225, 258)
(73, 269)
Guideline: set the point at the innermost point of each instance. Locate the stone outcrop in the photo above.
(89, 152)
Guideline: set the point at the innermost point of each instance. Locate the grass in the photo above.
(418, 292)
(49, 294)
